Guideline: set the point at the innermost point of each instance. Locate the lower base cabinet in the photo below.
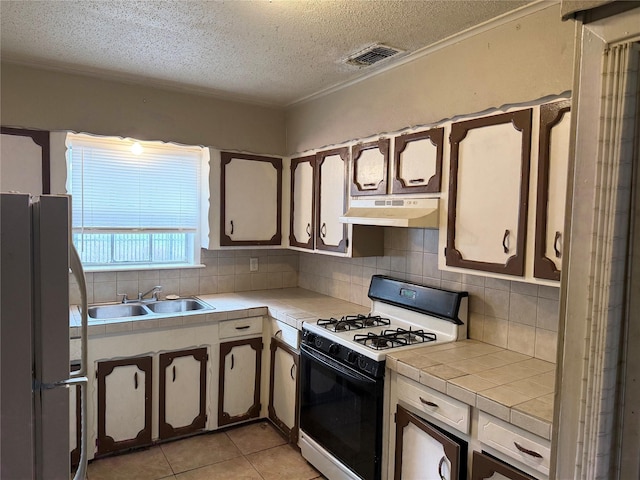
(423, 451)
(488, 468)
(283, 388)
(239, 381)
(124, 404)
(182, 392)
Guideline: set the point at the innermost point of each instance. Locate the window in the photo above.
(135, 203)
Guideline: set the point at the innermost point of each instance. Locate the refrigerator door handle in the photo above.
(80, 377)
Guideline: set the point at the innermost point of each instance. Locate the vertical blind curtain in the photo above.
(597, 442)
(113, 189)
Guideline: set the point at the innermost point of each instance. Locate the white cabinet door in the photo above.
(284, 388)
(488, 195)
(302, 216)
(553, 162)
(24, 161)
(331, 234)
(124, 404)
(182, 390)
(418, 162)
(422, 452)
(239, 380)
(251, 193)
(370, 164)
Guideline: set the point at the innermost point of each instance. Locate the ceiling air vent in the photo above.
(371, 55)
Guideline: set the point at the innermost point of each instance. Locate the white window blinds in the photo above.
(113, 188)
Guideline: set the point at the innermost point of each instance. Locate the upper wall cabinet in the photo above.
(370, 165)
(331, 235)
(251, 200)
(24, 161)
(488, 193)
(302, 225)
(418, 162)
(553, 162)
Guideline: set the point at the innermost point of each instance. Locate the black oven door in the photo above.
(341, 409)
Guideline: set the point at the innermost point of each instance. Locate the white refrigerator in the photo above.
(36, 256)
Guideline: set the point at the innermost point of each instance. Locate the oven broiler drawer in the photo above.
(434, 404)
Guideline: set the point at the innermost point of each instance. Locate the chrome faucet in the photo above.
(154, 293)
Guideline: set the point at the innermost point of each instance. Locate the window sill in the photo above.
(141, 266)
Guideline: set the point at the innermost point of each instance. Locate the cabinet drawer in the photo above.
(240, 327)
(434, 404)
(520, 445)
(286, 333)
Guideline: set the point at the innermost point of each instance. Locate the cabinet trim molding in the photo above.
(485, 467)
(40, 138)
(295, 162)
(343, 152)
(165, 429)
(226, 240)
(107, 444)
(290, 433)
(254, 411)
(436, 136)
(514, 265)
(550, 115)
(356, 151)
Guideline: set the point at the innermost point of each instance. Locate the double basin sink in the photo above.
(139, 309)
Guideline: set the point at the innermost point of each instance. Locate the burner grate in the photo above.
(394, 338)
(352, 322)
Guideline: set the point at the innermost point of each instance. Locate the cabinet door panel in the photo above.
(424, 452)
(302, 202)
(553, 161)
(489, 193)
(239, 381)
(124, 404)
(182, 406)
(283, 391)
(251, 192)
(370, 165)
(331, 234)
(24, 161)
(487, 468)
(418, 162)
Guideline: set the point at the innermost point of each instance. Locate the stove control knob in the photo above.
(362, 363)
(334, 349)
(352, 357)
(318, 341)
(310, 337)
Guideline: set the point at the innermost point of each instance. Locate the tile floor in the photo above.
(254, 451)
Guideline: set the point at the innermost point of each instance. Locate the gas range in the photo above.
(403, 315)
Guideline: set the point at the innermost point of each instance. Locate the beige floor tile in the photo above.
(255, 437)
(282, 462)
(199, 451)
(233, 469)
(148, 464)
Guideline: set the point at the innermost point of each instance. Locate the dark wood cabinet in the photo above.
(124, 403)
(239, 381)
(182, 392)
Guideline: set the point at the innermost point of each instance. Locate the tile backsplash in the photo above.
(518, 316)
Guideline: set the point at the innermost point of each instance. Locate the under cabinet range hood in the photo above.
(393, 212)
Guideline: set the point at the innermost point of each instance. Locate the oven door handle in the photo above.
(332, 364)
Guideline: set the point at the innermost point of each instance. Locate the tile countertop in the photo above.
(290, 305)
(513, 387)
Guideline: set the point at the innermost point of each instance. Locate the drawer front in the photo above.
(435, 404)
(286, 333)
(520, 445)
(240, 327)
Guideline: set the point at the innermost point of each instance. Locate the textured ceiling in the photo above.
(273, 52)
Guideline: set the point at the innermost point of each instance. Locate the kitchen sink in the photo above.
(177, 306)
(102, 312)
